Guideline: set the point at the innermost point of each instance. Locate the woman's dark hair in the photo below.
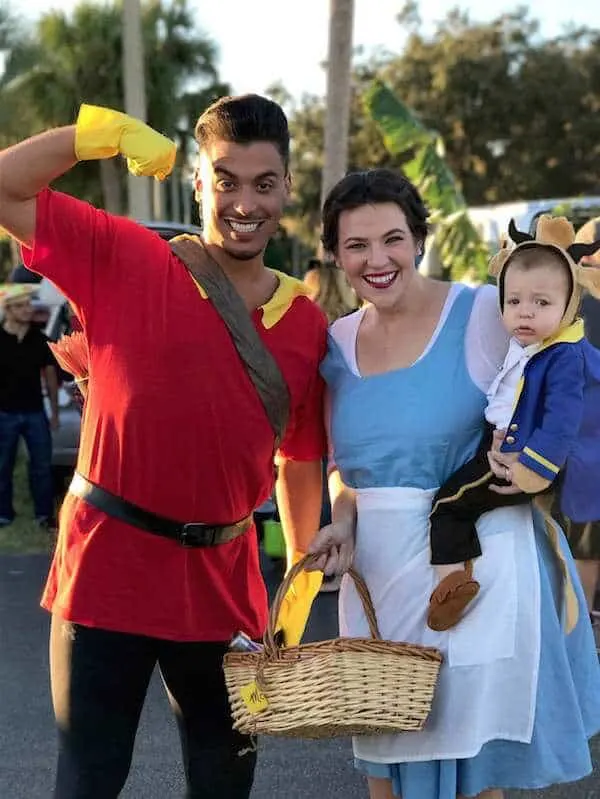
(245, 119)
(372, 187)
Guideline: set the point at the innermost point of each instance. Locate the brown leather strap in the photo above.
(260, 364)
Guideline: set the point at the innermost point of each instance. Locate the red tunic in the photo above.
(172, 424)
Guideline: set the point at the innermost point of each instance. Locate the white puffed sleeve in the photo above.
(486, 341)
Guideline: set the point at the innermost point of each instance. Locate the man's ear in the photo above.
(287, 183)
(197, 183)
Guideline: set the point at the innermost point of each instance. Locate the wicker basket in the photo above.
(346, 686)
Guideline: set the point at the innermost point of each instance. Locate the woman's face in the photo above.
(377, 251)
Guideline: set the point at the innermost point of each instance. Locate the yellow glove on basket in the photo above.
(296, 605)
(104, 133)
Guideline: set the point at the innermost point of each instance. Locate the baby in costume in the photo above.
(540, 398)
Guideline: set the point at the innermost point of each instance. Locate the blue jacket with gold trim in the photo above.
(556, 423)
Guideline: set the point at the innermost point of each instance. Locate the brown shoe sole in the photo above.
(449, 600)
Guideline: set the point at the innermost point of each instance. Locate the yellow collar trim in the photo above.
(568, 335)
(286, 292)
(278, 305)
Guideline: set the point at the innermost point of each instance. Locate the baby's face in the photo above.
(534, 302)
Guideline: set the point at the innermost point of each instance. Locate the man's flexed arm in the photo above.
(30, 166)
(27, 168)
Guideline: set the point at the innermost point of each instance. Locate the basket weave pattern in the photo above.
(345, 686)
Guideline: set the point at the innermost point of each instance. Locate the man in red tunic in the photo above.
(174, 426)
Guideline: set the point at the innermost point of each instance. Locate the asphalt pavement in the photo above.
(287, 769)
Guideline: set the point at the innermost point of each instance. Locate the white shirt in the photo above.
(503, 390)
(486, 339)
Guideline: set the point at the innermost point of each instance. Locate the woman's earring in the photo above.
(418, 255)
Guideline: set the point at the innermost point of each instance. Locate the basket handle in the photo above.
(307, 560)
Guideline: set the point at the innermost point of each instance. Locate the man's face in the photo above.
(19, 312)
(243, 190)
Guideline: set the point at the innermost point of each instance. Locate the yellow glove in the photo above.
(104, 133)
(297, 603)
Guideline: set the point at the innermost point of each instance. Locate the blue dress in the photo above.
(408, 430)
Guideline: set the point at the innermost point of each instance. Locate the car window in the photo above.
(577, 216)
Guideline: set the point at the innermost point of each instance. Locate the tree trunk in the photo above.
(111, 186)
(158, 200)
(134, 83)
(337, 119)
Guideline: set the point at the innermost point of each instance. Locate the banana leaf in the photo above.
(460, 247)
(399, 127)
(432, 176)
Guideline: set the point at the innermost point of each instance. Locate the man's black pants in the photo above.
(99, 684)
(459, 503)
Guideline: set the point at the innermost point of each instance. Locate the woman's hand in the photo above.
(334, 546)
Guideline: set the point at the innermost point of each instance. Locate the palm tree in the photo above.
(13, 49)
(5, 28)
(337, 120)
(78, 58)
(10, 38)
(181, 79)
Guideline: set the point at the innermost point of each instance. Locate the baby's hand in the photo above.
(497, 439)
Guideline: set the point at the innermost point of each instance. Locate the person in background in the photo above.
(329, 288)
(24, 359)
(584, 537)
(20, 274)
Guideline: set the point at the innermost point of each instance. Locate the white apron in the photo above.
(488, 681)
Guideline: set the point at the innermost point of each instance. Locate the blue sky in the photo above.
(263, 41)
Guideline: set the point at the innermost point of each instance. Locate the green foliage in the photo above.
(459, 245)
(6, 263)
(24, 535)
(578, 214)
(306, 163)
(306, 126)
(515, 111)
(70, 59)
(6, 27)
(400, 129)
(278, 254)
(517, 114)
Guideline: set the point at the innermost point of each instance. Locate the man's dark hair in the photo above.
(245, 119)
(372, 187)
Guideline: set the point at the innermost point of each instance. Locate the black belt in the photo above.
(194, 534)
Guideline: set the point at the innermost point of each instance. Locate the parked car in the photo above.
(52, 312)
(492, 220)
